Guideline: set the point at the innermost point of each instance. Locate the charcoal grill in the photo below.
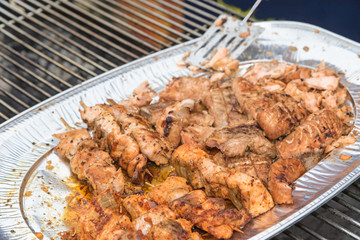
(48, 46)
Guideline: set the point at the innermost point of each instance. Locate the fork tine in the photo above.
(226, 35)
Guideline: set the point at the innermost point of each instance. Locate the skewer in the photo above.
(111, 101)
(147, 183)
(83, 104)
(236, 229)
(148, 172)
(67, 126)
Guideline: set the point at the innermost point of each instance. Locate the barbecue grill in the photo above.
(48, 46)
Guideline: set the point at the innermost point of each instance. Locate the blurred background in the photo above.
(339, 16)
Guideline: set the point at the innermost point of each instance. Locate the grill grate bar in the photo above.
(111, 26)
(311, 232)
(196, 17)
(216, 4)
(156, 23)
(187, 21)
(10, 83)
(38, 31)
(46, 94)
(9, 107)
(137, 22)
(124, 24)
(3, 116)
(342, 215)
(346, 204)
(165, 19)
(39, 53)
(35, 65)
(195, 9)
(47, 47)
(12, 96)
(86, 30)
(63, 27)
(30, 72)
(352, 194)
(335, 225)
(292, 235)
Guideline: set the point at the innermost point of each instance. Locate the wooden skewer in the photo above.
(65, 124)
(236, 229)
(111, 101)
(147, 183)
(148, 172)
(83, 104)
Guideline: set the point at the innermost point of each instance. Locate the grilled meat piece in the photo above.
(202, 118)
(153, 112)
(100, 212)
(121, 146)
(151, 144)
(89, 163)
(316, 132)
(173, 119)
(119, 222)
(154, 216)
(323, 78)
(172, 188)
(249, 192)
(214, 178)
(136, 205)
(142, 96)
(126, 234)
(74, 141)
(276, 121)
(212, 217)
(185, 159)
(181, 88)
(221, 62)
(223, 106)
(210, 214)
(82, 160)
(196, 136)
(216, 104)
(196, 166)
(281, 118)
(235, 141)
(171, 229)
(183, 205)
(102, 175)
(267, 70)
(251, 164)
(282, 174)
(253, 99)
(136, 168)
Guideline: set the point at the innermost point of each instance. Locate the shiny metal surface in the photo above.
(27, 137)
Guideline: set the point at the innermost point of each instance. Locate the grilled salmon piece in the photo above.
(242, 189)
(181, 88)
(282, 174)
(316, 132)
(136, 205)
(173, 188)
(276, 121)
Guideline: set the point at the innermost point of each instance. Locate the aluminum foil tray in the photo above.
(33, 180)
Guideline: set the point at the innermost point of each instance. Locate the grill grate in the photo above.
(47, 46)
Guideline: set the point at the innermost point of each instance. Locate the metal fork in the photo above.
(228, 32)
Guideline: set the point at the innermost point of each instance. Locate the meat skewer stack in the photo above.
(237, 145)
